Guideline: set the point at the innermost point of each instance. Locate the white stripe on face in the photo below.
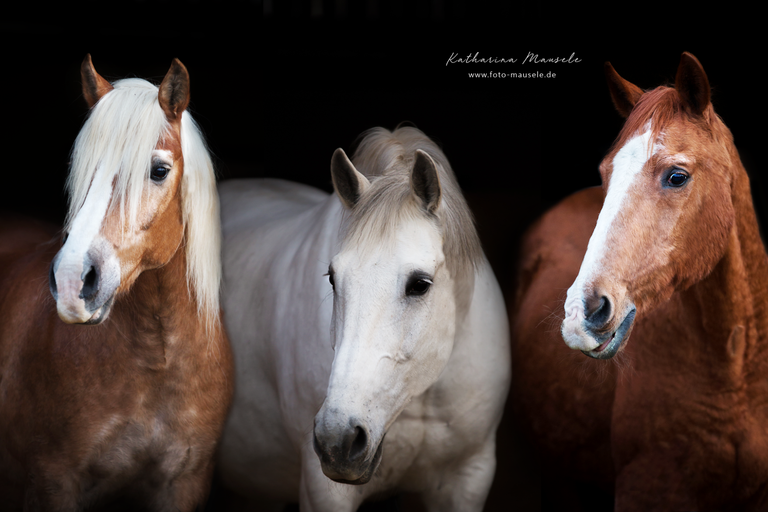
(68, 270)
(627, 165)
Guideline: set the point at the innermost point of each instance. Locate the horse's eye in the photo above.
(330, 279)
(417, 287)
(677, 178)
(159, 173)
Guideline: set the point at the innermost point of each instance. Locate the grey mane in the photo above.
(386, 159)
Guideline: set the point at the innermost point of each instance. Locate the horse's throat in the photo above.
(732, 305)
(164, 313)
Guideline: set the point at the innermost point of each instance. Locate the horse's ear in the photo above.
(425, 181)
(347, 181)
(174, 91)
(94, 86)
(692, 84)
(623, 93)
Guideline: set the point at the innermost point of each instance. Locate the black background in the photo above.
(276, 94)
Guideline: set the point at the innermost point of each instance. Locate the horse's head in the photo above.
(125, 185)
(668, 211)
(395, 307)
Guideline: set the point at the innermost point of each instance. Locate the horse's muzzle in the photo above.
(597, 322)
(84, 286)
(346, 453)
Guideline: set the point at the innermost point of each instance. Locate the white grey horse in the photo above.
(369, 332)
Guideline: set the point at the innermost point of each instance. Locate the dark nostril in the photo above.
(359, 444)
(598, 310)
(52, 283)
(594, 304)
(90, 284)
(344, 446)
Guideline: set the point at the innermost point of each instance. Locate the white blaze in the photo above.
(69, 271)
(627, 165)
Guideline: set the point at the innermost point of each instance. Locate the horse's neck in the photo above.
(734, 297)
(464, 292)
(756, 267)
(161, 315)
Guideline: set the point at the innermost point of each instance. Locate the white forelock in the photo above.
(120, 134)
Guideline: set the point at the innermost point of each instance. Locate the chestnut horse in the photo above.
(371, 336)
(114, 385)
(669, 252)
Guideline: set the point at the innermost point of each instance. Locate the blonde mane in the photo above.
(386, 159)
(121, 133)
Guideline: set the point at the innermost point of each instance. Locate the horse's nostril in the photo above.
(52, 283)
(90, 284)
(598, 310)
(359, 444)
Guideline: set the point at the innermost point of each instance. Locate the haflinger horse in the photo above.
(369, 332)
(115, 384)
(668, 275)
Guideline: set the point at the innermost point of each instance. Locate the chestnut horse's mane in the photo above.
(657, 108)
(121, 132)
(386, 159)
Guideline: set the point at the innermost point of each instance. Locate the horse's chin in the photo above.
(613, 342)
(101, 314)
(369, 471)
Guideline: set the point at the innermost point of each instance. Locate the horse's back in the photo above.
(20, 236)
(249, 203)
(27, 247)
(268, 227)
(563, 397)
